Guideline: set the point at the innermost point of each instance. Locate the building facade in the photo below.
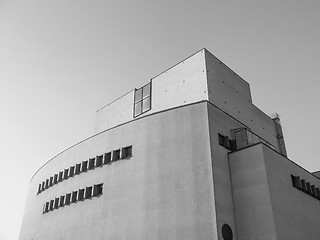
(186, 156)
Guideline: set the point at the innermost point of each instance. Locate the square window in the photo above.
(88, 192)
(146, 90)
(115, 155)
(107, 158)
(74, 196)
(99, 161)
(61, 201)
(78, 168)
(91, 163)
(66, 173)
(81, 194)
(97, 189)
(71, 171)
(146, 104)
(138, 108)
(68, 198)
(84, 166)
(138, 95)
(126, 152)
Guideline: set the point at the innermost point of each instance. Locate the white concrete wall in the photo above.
(180, 85)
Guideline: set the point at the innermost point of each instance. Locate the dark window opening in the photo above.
(88, 192)
(51, 205)
(56, 203)
(61, 201)
(81, 194)
(47, 183)
(142, 100)
(78, 168)
(126, 152)
(107, 158)
(66, 173)
(39, 189)
(51, 181)
(227, 232)
(99, 161)
(47, 207)
(97, 189)
(84, 166)
(91, 163)
(55, 178)
(224, 141)
(74, 196)
(60, 176)
(115, 155)
(43, 186)
(68, 198)
(71, 171)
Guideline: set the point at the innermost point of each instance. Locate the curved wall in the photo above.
(164, 191)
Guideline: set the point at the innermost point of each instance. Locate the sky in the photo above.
(60, 61)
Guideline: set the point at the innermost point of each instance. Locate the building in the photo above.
(187, 156)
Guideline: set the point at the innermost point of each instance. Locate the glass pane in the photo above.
(138, 95)
(137, 108)
(146, 104)
(146, 90)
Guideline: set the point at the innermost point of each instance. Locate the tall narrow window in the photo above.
(84, 166)
(88, 192)
(142, 100)
(74, 196)
(81, 194)
(61, 201)
(55, 178)
(91, 163)
(68, 198)
(107, 158)
(66, 173)
(99, 160)
(78, 168)
(71, 171)
(115, 155)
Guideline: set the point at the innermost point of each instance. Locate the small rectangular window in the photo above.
(71, 171)
(308, 188)
(296, 182)
(78, 168)
(97, 189)
(74, 196)
(84, 166)
(126, 152)
(303, 185)
(66, 173)
(115, 155)
(224, 141)
(39, 189)
(88, 192)
(81, 194)
(51, 181)
(56, 203)
(99, 160)
(107, 158)
(313, 191)
(43, 186)
(318, 193)
(68, 198)
(60, 176)
(91, 163)
(55, 178)
(51, 205)
(61, 201)
(47, 183)
(47, 207)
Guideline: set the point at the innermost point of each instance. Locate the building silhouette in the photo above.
(187, 156)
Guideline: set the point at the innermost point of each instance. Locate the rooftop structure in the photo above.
(186, 156)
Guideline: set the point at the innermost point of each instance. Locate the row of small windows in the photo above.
(73, 197)
(305, 186)
(90, 164)
(142, 100)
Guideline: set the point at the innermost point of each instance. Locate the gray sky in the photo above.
(60, 61)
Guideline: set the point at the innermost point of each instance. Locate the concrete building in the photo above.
(187, 156)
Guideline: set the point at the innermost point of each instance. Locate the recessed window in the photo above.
(47, 207)
(142, 100)
(43, 186)
(68, 198)
(97, 189)
(60, 176)
(51, 205)
(126, 152)
(91, 163)
(107, 158)
(47, 183)
(66, 173)
(78, 168)
(88, 192)
(74, 196)
(99, 161)
(84, 166)
(51, 181)
(55, 178)
(39, 189)
(61, 201)
(56, 203)
(71, 171)
(81, 194)
(115, 155)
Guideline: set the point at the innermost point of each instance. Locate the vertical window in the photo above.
(115, 155)
(88, 192)
(91, 163)
(51, 205)
(61, 201)
(56, 203)
(71, 171)
(74, 196)
(66, 173)
(39, 189)
(81, 194)
(99, 161)
(78, 168)
(47, 207)
(107, 158)
(68, 197)
(84, 166)
(97, 189)
(142, 100)
(43, 186)
(55, 178)
(51, 181)
(47, 183)
(126, 152)
(60, 176)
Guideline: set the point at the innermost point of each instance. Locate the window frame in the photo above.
(135, 102)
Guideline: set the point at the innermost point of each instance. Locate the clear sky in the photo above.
(60, 61)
